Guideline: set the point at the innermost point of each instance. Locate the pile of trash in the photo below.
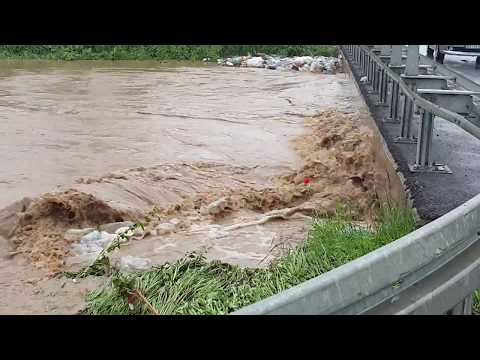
(315, 64)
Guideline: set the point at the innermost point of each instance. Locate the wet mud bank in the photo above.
(396, 187)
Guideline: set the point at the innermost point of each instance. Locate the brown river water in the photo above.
(62, 120)
(124, 136)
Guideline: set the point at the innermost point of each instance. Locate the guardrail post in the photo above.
(386, 83)
(423, 162)
(396, 57)
(377, 49)
(376, 76)
(394, 100)
(425, 133)
(367, 67)
(406, 115)
(413, 58)
(372, 74)
(362, 62)
(365, 62)
(395, 60)
(464, 308)
(385, 49)
(382, 87)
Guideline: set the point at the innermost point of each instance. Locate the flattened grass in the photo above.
(193, 285)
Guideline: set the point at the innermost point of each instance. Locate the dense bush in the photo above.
(160, 52)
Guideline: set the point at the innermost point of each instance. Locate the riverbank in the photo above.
(194, 286)
(305, 148)
(156, 52)
(253, 223)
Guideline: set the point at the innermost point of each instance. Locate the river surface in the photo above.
(62, 120)
(64, 123)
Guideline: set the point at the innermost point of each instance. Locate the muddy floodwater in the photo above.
(236, 161)
(62, 120)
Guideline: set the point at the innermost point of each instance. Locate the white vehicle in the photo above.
(439, 51)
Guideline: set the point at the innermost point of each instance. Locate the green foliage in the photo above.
(156, 52)
(476, 303)
(194, 286)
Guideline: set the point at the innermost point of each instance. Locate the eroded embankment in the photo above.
(339, 169)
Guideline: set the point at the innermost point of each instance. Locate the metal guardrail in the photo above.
(433, 270)
(381, 75)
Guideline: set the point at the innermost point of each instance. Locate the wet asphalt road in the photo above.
(463, 64)
(434, 195)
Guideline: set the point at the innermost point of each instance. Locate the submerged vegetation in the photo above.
(155, 52)
(193, 285)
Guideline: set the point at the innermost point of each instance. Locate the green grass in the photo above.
(194, 286)
(157, 52)
(476, 303)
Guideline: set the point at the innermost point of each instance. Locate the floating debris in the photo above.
(132, 263)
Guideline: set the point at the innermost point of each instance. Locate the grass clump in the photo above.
(195, 286)
(476, 303)
(155, 52)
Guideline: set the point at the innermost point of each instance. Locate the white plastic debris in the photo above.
(113, 227)
(129, 263)
(302, 60)
(122, 230)
(93, 242)
(215, 207)
(256, 62)
(272, 63)
(129, 233)
(236, 61)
